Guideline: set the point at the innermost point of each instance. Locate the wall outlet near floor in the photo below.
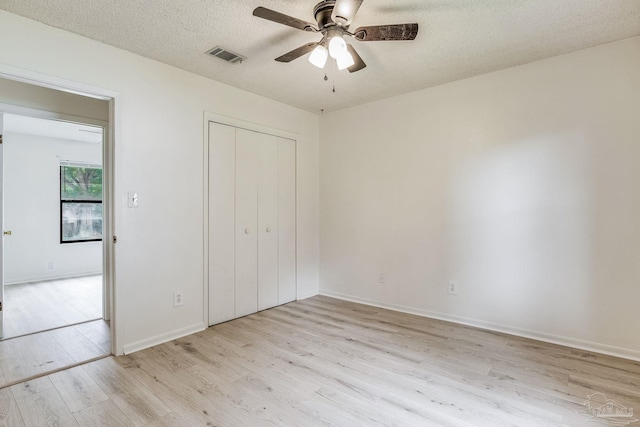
(380, 277)
(178, 300)
(51, 265)
(453, 288)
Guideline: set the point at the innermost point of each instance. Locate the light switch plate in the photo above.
(133, 199)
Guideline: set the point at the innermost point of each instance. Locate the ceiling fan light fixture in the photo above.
(345, 60)
(333, 18)
(319, 56)
(337, 46)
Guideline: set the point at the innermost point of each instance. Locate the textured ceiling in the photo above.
(457, 39)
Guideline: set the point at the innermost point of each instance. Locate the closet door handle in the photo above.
(268, 229)
(247, 231)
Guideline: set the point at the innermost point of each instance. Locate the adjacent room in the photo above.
(52, 262)
(53, 307)
(417, 212)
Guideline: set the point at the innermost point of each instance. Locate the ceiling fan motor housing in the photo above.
(322, 12)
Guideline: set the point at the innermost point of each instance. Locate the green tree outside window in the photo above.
(80, 204)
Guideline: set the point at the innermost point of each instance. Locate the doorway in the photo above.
(35, 354)
(52, 198)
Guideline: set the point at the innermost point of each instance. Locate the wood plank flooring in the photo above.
(38, 354)
(38, 306)
(322, 362)
(43, 306)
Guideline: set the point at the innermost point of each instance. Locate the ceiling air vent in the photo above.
(226, 55)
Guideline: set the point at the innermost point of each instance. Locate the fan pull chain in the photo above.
(333, 78)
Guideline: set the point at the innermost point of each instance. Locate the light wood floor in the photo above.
(38, 306)
(38, 354)
(323, 361)
(43, 306)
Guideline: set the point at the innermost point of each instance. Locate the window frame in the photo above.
(78, 201)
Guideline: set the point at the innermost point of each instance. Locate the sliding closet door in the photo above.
(246, 253)
(222, 212)
(286, 220)
(267, 221)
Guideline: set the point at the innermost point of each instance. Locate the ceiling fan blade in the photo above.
(345, 10)
(386, 32)
(358, 62)
(297, 53)
(281, 18)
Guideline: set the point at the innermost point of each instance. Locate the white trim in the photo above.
(205, 220)
(311, 294)
(625, 353)
(43, 80)
(109, 181)
(76, 164)
(18, 110)
(242, 124)
(163, 338)
(295, 216)
(44, 278)
(109, 186)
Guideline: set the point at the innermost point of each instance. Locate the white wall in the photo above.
(32, 210)
(159, 154)
(523, 186)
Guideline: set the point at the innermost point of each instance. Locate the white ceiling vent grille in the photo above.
(226, 55)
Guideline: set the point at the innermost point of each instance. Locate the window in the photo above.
(80, 203)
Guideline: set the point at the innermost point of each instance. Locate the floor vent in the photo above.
(226, 55)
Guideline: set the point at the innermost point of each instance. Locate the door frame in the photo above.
(110, 287)
(2, 229)
(238, 123)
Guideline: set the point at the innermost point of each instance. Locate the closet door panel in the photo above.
(221, 223)
(286, 220)
(268, 222)
(246, 253)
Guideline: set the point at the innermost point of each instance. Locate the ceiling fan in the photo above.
(333, 18)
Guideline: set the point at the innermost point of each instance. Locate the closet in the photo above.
(252, 221)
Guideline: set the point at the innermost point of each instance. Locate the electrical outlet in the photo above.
(453, 288)
(51, 265)
(178, 300)
(380, 277)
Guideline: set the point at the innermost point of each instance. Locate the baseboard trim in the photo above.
(163, 338)
(307, 295)
(46, 278)
(609, 350)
